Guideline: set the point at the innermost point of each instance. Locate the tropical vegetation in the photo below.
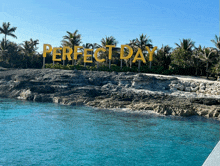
(184, 59)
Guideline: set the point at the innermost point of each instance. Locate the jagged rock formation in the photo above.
(167, 95)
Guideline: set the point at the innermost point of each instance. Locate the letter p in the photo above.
(45, 51)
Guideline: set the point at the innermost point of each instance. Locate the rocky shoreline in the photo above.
(166, 95)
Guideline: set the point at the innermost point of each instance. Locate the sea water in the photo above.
(51, 134)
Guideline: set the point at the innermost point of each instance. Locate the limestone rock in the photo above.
(166, 95)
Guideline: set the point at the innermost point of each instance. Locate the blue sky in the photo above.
(165, 22)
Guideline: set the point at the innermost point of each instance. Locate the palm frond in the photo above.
(6, 30)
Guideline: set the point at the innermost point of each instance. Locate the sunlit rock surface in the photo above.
(166, 95)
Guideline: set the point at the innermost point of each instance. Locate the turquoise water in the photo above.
(50, 134)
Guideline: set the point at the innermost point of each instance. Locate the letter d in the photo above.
(122, 52)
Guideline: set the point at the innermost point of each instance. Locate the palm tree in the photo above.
(163, 56)
(186, 44)
(14, 56)
(216, 69)
(216, 41)
(86, 46)
(10, 53)
(196, 58)
(142, 42)
(34, 43)
(184, 51)
(29, 49)
(71, 40)
(134, 46)
(3, 49)
(6, 30)
(92, 46)
(206, 56)
(108, 41)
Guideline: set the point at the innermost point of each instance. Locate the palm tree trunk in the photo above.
(43, 62)
(207, 74)
(4, 53)
(106, 60)
(32, 59)
(197, 64)
(5, 39)
(72, 61)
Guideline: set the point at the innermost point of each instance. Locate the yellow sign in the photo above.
(139, 55)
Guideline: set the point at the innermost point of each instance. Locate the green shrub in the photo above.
(167, 72)
(114, 67)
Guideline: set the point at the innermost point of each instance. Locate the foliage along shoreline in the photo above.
(184, 59)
